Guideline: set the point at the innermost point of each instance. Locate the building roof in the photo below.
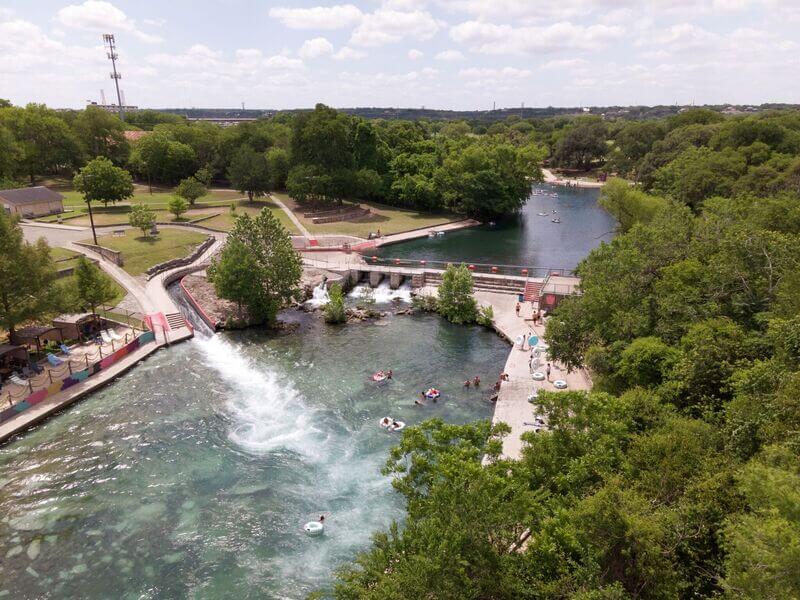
(18, 351)
(33, 332)
(30, 195)
(72, 318)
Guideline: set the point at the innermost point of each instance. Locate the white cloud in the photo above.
(449, 55)
(318, 17)
(281, 62)
(566, 63)
(348, 53)
(415, 54)
(102, 17)
(315, 48)
(489, 38)
(386, 26)
(504, 73)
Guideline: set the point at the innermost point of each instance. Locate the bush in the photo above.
(485, 316)
(178, 206)
(425, 303)
(334, 310)
(142, 217)
(456, 303)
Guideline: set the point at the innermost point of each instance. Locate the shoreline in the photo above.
(553, 179)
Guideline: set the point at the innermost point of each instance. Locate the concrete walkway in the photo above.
(512, 405)
(404, 236)
(300, 227)
(61, 400)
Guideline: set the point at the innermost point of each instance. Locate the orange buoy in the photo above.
(374, 259)
(494, 269)
(471, 267)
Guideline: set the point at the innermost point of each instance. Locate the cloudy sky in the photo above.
(459, 54)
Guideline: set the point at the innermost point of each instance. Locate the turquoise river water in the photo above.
(192, 475)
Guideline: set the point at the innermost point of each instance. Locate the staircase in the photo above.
(532, 289)
(176, 320)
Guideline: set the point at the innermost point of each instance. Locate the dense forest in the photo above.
(678, 476)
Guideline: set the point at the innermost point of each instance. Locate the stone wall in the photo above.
(113, 256)
(181, 262)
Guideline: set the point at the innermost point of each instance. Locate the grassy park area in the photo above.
(388, 219)
(224, 221)
(142, 252)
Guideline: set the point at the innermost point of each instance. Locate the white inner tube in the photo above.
(539, 376)
(314, 528)
(385, 422)
(560, 384)
(399, 427)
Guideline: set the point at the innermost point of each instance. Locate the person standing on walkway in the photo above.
(517, 308)
(548, 371)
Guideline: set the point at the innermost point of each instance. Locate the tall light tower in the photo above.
(108, 40)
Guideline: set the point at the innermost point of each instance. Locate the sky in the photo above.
(448, 54)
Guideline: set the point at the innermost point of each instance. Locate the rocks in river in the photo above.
(361, 313)
(14, 551)
(34, 548)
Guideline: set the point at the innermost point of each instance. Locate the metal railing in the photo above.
(483, 268)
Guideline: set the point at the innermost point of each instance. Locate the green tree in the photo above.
(278, 165)
(93, 286)
(249, 173)
(274, 266)
(232, 275)
(582, 144)
(27, 277)
(46, 143)
(177, 206)
(629, 205)
(190, 189)
(101, 181)
(142, 217)
(102, 134)
(334, 310)
(456, 303)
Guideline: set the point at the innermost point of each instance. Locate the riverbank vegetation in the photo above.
(676, 477)
(258, 268)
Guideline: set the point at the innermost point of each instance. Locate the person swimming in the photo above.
(467, 383)
(389, 374)
(476, 381)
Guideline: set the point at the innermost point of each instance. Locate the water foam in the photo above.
(269, 413)
(384, 294)
(319, 296)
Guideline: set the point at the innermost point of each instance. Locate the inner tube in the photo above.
(385, 422)
(314, 528)
(379, 376)
(432, 393)
(560, 384)
(399, 427)
(520, 339)
(538, 376)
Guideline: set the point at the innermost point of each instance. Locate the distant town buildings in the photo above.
(113, 108)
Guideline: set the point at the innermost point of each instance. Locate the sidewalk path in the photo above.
(512, 405)
(300, 227)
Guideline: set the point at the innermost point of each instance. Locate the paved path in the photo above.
(300, 227)
(404, 236)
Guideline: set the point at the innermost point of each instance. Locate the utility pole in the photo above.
(108, 40)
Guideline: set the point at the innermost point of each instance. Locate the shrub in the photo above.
(334, 310)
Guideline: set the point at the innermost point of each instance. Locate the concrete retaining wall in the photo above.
(113, 256)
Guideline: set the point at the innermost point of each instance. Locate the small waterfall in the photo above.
(383, 294)
(200, 326)
(319, 296)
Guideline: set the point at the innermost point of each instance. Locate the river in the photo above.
(192, 475)
(530, 239)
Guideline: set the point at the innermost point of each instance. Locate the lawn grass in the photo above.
(139, 252)
(119, 291)
(119, 217)
(388, 219)
(224, 221)
(74, 200)
(63, 258)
